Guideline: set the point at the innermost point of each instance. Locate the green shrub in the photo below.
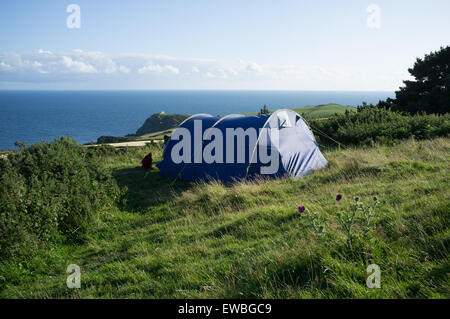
(378, 125)
(50, 192)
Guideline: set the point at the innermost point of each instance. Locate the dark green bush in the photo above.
(50, 192)
(378, 125)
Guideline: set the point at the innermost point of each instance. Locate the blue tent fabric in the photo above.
(186, 171)
(284, 133)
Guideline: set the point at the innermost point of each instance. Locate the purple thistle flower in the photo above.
(338, 197)
(301, 209)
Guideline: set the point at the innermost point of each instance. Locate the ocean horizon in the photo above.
(32, 116)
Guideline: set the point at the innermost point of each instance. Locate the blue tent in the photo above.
(276, 144)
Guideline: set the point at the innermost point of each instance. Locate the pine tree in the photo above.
(430, 91)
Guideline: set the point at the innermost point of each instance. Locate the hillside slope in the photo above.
(173, 239)
(317, 111)
(323, 110)
(160, 122)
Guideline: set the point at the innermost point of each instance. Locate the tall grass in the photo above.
(172, 239)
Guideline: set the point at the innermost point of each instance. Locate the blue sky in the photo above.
(246, 44)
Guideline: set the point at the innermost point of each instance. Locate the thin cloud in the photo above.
(78, 66)
(74, 66)
(156, 68)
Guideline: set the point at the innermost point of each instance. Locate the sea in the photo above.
(35, 116)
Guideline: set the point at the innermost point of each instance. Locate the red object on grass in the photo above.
(147, 161)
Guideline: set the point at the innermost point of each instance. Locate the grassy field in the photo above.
(317, 111)
(323, 110)
(173, 239)
(154, 136)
